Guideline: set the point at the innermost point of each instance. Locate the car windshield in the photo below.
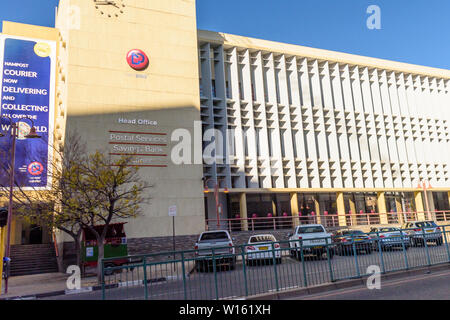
(350, 232)
(426, 224)
(214, 236)
(388, 229)
(256, 239)
(314, 229)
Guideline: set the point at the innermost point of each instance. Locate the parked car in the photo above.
(263, 247)
(385, 238)
(311, 239)
(348, 241)
(419, 231)
(219, 243)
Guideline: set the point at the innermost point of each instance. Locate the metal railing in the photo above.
(282, 265)
(328, 220)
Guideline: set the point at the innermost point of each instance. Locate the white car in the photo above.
(263, 247)
(313, 239)
(420, 230)
(217, 244)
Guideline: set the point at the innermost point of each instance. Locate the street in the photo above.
(257, 279)
(434, 286)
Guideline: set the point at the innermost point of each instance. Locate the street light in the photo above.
(216, 196)
(31, 135)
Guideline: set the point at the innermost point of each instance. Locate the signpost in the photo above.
(3, 222)
(173, 214)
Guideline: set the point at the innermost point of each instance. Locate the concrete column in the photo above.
(448, 193)
(353, 210)
(398, 206)
(341, 209)
(294, 208)
(243, 211)
(419, 205)
(381, 202)
(16, 231)
(317, 209)
(431, 207)
(274, 207)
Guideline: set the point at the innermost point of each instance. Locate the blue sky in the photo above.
(413, 31)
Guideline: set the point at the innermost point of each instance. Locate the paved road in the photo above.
(262, 278)
(433, 286)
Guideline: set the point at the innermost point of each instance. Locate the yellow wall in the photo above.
(45, 33)
(100, 88)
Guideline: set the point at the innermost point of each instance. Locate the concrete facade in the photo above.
(102, 93)
(312, 121)
(298, 123)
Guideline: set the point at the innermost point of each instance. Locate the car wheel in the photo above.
(439, 242)
(348, 251)
(375, 246)
(109, 272)
(278, 261)
(330, 254)
(201, 266)
(292, 253)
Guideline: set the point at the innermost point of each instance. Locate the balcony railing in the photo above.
(327, 220)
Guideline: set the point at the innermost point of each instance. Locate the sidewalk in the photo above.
(53, 284)
(40, 284)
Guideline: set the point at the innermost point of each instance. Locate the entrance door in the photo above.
(35, 234)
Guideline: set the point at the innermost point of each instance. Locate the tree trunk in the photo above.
(78, 250)
(101, 255)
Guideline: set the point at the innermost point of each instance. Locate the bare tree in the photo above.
(87, 190)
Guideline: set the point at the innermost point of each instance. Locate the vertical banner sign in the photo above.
(27, 91)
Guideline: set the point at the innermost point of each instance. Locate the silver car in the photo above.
(388, 238)
(421, 231)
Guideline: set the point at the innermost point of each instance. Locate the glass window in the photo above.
(214, 236)
(441, 202)
(263, 238)
(352, 232)
(388, 229)
(426, 224)
(314, 229)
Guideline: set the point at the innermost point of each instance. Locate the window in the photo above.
(350, 232)
(388, 229)
(263, 238)
(426, 224)
(315, 229)
(214, 236)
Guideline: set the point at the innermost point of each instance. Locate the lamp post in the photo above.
(216, 196)
(14, 127)
(423, 185)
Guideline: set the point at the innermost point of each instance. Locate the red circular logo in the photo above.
(35, 168)
(137, 59)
